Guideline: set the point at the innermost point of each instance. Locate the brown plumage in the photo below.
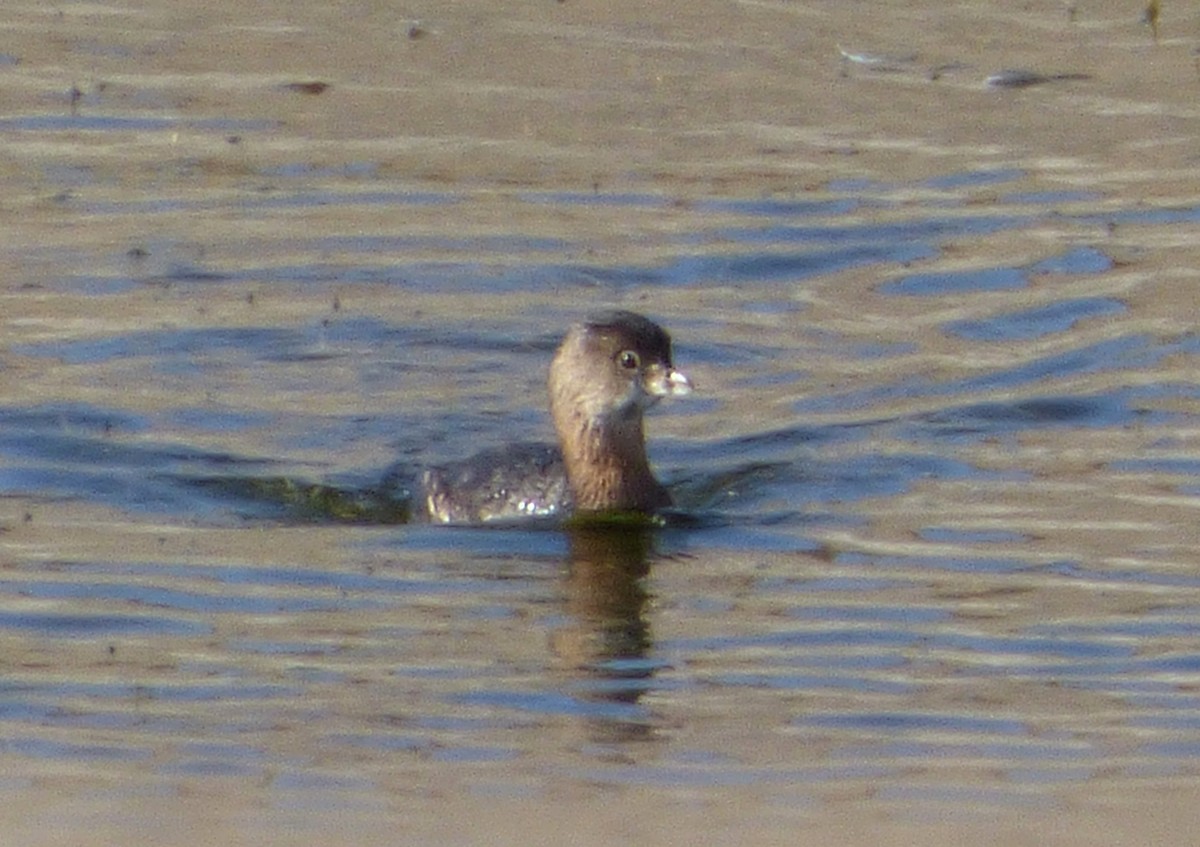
(608, 370)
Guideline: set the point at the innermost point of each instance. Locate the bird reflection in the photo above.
(606, 639)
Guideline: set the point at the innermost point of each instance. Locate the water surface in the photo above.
(934, 557)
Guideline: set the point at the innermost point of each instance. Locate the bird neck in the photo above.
(606, 463)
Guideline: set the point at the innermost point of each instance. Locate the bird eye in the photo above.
(629, 360)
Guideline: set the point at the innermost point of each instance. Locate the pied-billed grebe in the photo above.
(606, 373)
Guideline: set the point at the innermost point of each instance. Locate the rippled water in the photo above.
(939, 478)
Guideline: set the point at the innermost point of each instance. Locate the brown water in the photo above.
(935, 579)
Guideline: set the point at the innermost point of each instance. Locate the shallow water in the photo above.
(952, 553)
(934, 557)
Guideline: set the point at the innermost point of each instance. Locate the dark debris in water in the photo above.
(1020, 78)
(898, 63)
(313, 87)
